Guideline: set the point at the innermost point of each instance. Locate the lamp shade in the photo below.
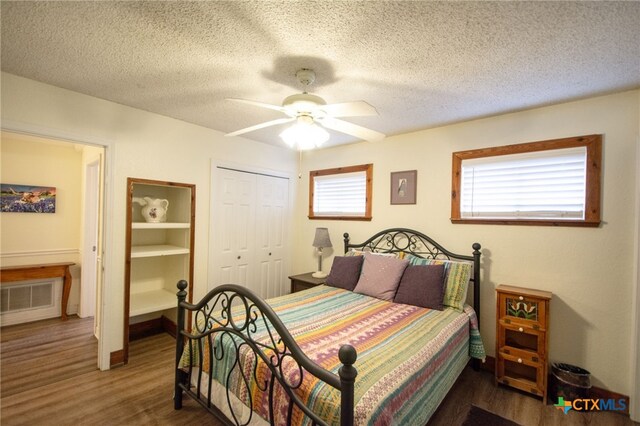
(322, 238)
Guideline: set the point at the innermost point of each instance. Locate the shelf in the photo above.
(159, 253)
(151, 301)
(157, 250)
(160, 225)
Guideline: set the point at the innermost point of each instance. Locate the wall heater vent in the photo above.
(31, 301)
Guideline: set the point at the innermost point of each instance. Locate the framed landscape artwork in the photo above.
(27, 198)
(403, 187)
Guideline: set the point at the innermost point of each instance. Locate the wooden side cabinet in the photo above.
(522, 336)
(304, 281)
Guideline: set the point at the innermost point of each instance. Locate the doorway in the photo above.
(90, 244)
(76, 171)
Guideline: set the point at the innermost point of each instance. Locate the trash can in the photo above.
(569, 382)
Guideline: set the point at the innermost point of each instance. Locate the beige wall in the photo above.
(143, 145)
(590, 271)
(30, 238)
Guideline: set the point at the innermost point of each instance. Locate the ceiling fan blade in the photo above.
(352, 129)
(260, 126)
(349, 109)
(258, 104)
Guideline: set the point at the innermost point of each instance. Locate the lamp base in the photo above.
(319, 274)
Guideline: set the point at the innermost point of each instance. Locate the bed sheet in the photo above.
(408, 357)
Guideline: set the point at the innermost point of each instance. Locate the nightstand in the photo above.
(522, 336)
(304, 281)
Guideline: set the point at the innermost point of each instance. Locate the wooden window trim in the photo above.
(368, 168)
(593, 144)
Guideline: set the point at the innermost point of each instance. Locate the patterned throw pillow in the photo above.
(380, 276)
(457, 276)
(345, 272)
(422, 285)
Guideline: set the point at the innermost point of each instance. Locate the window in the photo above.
(342, 193)
(554, 182)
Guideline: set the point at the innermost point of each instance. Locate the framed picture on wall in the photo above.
(403, 187)
(27, 198)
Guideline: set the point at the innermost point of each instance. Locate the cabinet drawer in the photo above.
(521, 373)
(526, 356)
(521, 339)
(522, 310)
(521, 357)
(300, 286)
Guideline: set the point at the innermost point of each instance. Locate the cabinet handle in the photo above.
(239, 257)
(521, 298)
(520, 329)
(269, 254)
(520, 360)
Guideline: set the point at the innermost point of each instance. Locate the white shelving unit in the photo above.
(157, 250)
(150, 301)
(158, 254)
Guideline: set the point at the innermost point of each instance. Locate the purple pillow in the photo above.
(422, 285)
(380, 276)
(345, 272)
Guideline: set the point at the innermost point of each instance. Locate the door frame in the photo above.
(91, 224)
(214, 196)
(108, 263)
(634, 409)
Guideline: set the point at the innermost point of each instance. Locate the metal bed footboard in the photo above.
(213, 322)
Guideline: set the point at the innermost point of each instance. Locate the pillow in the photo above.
(345, 272)
(422, 285)
(380, 276)
(456, 279)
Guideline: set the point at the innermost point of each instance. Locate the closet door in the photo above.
(249, 216)
(272, 205)
(234, 218)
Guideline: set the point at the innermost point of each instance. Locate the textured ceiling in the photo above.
(421, 64)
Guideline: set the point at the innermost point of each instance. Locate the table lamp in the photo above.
(321, 241)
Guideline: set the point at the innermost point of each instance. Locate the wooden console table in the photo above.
(9, 274)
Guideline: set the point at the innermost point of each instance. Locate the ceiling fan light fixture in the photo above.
(307, 110)
(304, 135)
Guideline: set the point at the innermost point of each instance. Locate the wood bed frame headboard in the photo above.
(397, 240)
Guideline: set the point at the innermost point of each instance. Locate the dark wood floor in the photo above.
(49, 377)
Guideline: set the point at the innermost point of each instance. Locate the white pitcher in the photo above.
(155, 209)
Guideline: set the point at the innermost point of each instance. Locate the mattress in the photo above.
(408, 358)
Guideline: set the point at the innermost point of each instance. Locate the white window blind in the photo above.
(534, 185)
(343, 194)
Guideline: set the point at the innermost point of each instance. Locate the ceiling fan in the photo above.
(311, 113)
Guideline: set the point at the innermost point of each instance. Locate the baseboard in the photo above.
(595, 393)
(489, 365)
(599, 393)
(169, 326)
(151, 327)
(116, 358)
(144, 329)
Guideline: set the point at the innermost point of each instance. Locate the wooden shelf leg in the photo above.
(66, 290)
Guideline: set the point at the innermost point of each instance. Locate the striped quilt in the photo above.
(408, 357)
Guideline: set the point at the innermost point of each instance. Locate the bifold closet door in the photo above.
(272, 203)
(250, 231)
(235, 220)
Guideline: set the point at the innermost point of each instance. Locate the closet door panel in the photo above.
(234, 222)
(272, 203)
(249, 214)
